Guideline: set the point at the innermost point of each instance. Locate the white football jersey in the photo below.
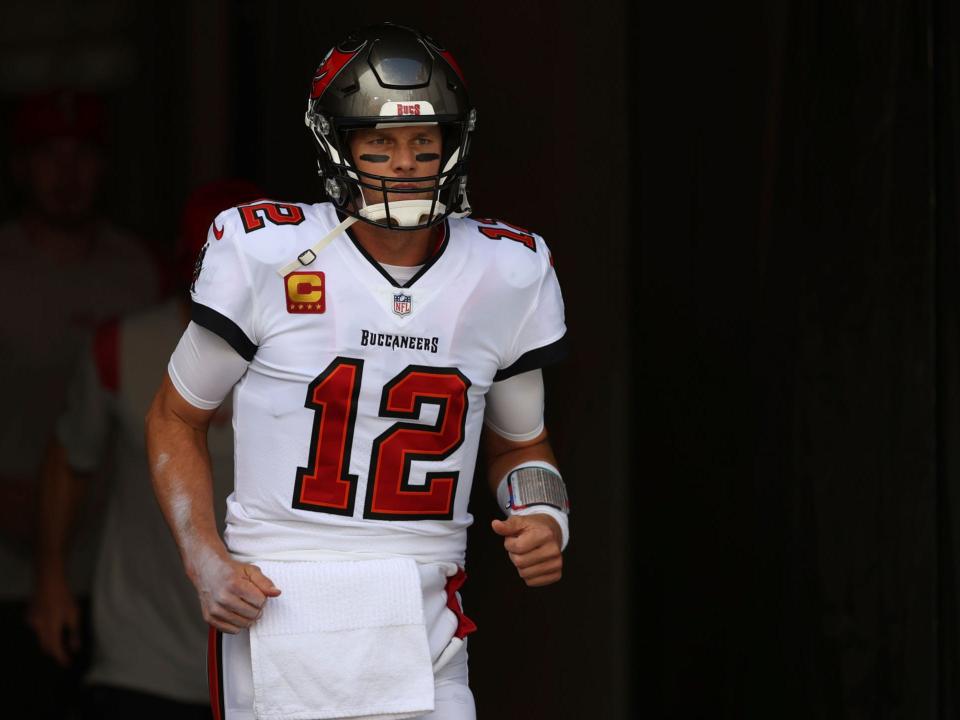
(358, 420)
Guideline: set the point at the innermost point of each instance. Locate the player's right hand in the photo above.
(533, 544)
(55, 618)
(232, 594)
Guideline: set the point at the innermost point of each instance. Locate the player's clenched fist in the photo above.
(232, 594)
(533, 544)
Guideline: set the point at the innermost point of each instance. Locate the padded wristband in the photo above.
(536, 487)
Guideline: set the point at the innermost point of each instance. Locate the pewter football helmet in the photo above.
(381, 76)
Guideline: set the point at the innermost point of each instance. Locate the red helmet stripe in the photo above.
(328, 71)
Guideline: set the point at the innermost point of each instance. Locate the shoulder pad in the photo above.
(501, 230)
(263, 230)
(521, 255)
(261, 214)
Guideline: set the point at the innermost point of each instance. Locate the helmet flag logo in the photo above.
(328, 70)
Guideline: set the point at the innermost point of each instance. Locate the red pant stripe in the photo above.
(465, 625)
(215, 672)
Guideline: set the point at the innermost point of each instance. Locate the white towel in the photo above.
(343, 640)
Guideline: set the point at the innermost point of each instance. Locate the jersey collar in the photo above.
(439, 248)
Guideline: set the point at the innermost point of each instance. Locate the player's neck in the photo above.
(393, 247)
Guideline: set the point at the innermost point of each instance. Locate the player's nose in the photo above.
(405, 159)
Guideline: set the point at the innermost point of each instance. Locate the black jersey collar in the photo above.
(438, 251)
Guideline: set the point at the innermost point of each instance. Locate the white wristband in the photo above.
(504, 500)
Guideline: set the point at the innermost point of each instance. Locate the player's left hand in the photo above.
(533, 544)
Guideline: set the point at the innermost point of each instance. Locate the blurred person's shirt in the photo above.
(149, 634)
(50, 305)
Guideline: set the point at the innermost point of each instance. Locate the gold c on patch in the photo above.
(305, 292)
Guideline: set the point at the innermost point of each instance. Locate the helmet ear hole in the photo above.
(335, 189)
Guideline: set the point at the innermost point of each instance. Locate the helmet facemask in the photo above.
(344, 181)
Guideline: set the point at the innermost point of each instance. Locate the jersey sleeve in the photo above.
(83, 427)
(203, 368)
(222, 294)
(541, 337)
(515, 406)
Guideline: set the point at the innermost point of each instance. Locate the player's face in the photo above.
(399, 152)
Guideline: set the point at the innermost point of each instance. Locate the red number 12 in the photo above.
(326, 484)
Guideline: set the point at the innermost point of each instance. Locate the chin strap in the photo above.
(310, 254)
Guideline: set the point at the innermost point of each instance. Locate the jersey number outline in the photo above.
(511, 232)
(253, 215)
(326, 484)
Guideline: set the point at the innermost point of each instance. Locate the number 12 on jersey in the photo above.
(326, 484)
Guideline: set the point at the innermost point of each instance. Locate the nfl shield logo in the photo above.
(401, 304)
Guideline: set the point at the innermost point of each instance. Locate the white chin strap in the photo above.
(406, 213)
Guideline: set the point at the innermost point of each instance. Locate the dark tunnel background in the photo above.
(753, 211)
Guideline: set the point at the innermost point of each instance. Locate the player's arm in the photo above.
(517, 452)
(53, 612)
(72, 454)
(204, 368)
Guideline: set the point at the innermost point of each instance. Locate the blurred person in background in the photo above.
(64, 268)
(149, 638)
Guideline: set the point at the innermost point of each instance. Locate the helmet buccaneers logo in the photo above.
(331, 65)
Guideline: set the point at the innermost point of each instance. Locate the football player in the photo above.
(375, 343)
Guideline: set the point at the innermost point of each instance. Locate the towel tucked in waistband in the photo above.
(343, 640)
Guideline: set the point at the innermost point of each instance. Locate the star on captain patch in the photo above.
(402, 304)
